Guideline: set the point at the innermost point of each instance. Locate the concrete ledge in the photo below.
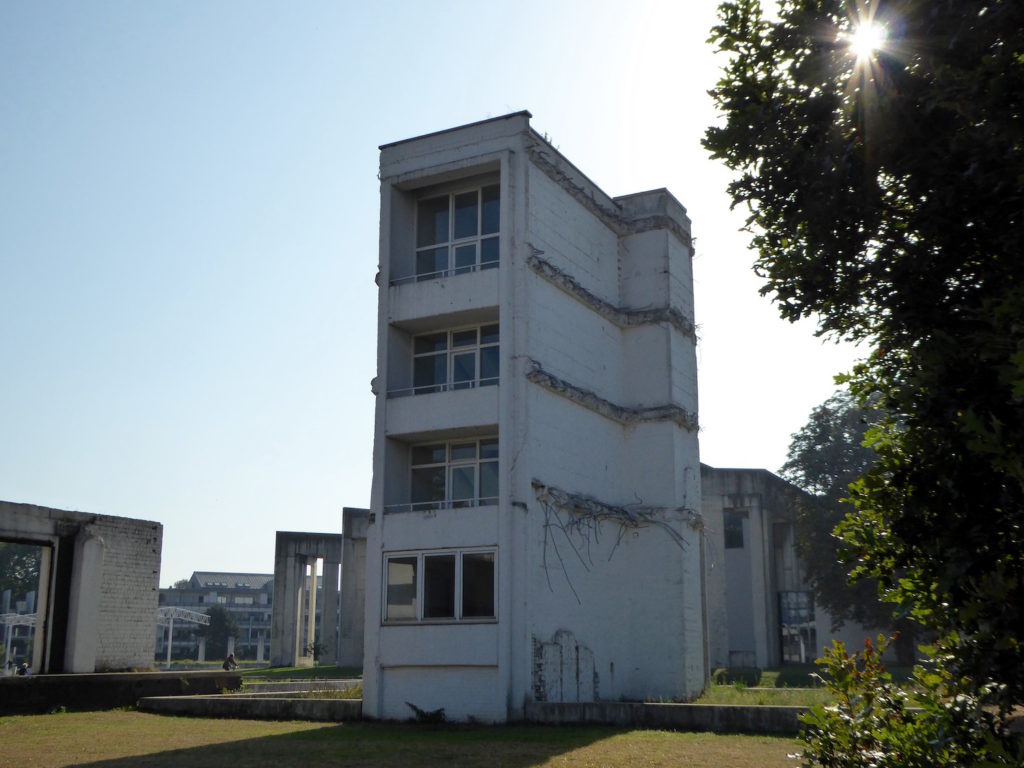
(105, 690)
(256, 707)
(681, 717)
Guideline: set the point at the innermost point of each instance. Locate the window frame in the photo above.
(453, 243)
(450, 352)
(458, 586)
(449, 465)
(733, 529)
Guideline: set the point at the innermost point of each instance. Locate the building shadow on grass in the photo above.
(373, 745)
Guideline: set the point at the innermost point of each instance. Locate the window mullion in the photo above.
(451, 234)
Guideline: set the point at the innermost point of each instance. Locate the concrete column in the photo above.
(41, 638)
(329, 614)
(259, 648)
(298, 574)
(86, 578)
(231, 645)
(286, 624)
(311, 605)
(170, 640)
(202, 650)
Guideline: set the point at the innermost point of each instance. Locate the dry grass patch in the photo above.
(128, 739)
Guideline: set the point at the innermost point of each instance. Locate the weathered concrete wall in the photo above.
(742, 593)
(44, 693)
(777, 721)
(248, 707)
(352, 619)
(597, 400)
(102, 587)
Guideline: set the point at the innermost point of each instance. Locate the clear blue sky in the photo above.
(188, 239)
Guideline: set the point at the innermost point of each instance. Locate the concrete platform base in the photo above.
(716, 718)
(256, 707)
(105, 690)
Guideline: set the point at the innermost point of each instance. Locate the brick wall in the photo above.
(128, 593)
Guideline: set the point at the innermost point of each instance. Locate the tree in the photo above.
(222, 626)
(886, 199)
(19, 568)
(825, 457)
(180, 584)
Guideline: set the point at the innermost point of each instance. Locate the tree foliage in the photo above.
(825, 457)
(222, 626)
(886, 199)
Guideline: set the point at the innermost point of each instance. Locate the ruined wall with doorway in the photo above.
(98, 587)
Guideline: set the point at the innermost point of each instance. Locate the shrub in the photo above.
(935, 723)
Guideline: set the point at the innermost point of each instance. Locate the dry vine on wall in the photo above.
(580, 520)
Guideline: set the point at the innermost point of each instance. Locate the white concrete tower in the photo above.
(534, 533)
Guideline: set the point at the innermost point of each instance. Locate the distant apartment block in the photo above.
(247, 596)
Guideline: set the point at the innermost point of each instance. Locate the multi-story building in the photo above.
(249, 597)
(534, 532)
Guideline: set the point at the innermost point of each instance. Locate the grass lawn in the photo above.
(129, 739)
(790, 697)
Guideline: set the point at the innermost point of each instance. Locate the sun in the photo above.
(867, 38)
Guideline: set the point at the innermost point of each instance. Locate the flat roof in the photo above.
(522, 113)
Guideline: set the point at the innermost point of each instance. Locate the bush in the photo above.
(876, 724)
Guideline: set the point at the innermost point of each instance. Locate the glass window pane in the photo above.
(463, 485)
(432, 342)
(491, 209)
(488, 366)
(489, 253)
(464, 338)
(489, 334)
(489, 449)
(401, 589)
(428, 454)
(432, 221)
(429, 374)
(733, 524)
(488, 482)
(463, 451)
(439, 587)
(427, 486)
(463, 370)
(466, 215)
(432, 261)
(478, 585)
(465, 258)
(20, 566)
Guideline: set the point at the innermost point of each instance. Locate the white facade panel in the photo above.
(435, 412)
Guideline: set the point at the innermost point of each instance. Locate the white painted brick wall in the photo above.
(129, 593)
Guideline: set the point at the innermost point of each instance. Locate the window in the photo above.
(732, 522)
(457, 233)
(797, 628)
(243, 600)
(441, 586)
(455, 359)
(459, 473)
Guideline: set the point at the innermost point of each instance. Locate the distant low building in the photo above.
(761, 609)
(248, 596)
